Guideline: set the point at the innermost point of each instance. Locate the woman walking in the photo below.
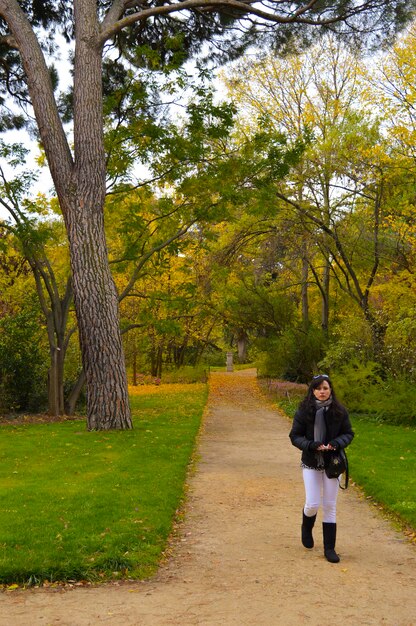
(320, 426)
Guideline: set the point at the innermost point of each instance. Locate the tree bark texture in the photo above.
(96, 304)
(95, 294)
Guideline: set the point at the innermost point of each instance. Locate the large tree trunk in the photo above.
(95, 294)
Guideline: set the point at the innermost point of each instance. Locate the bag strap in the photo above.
(347, 474)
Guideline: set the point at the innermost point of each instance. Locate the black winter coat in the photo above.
(338, 432)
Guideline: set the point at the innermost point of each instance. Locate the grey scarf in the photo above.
(319, 430)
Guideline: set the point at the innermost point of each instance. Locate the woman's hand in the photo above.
(324, 448)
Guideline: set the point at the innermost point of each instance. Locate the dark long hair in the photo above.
(308, 404)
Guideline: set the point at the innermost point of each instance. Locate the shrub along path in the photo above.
(238, 559)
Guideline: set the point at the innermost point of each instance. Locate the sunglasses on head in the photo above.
(321, 376)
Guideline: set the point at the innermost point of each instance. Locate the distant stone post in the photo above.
(230, 367)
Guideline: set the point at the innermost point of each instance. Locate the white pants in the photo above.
(315, 483)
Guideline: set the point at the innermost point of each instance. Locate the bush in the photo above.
(213, 357)
(292, 356)
(268, 361)
(350, 337)
(400, 347)
(362, 388)
(23, 364)
(353, 383)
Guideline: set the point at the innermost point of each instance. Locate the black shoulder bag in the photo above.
(338, 465)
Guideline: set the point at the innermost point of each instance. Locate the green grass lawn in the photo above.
(78, 505)
(383, 462)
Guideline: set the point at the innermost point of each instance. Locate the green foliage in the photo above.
(354, 381)
(258, 308)
(213, 357)
(23, 363)
(349, 337)
(400, 350)
(292, 356)
(364, 389)
(270, 362)
(95, 506)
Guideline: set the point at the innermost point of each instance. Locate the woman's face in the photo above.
(322, 392)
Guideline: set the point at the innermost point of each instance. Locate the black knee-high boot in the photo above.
(307, 525)
(330, 535)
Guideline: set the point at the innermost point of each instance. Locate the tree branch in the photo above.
(331, 233)
(112, 23)
(149, 254)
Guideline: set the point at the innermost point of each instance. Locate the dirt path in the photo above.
(239, 560)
